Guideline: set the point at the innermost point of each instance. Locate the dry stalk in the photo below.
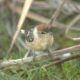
(42, 19)
(8, 63)
(69, 27)
(25, 10)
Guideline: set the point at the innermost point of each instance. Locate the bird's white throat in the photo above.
(35, 33)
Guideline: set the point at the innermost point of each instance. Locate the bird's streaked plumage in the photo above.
(40, 39)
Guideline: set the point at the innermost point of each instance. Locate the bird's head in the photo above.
(31, 34)
(28, 34)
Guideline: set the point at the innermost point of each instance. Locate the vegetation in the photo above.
(66, 33)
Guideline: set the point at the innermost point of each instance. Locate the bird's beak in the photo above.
(22, 31)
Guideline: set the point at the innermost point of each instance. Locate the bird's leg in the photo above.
(28, 53)
(50, 54)
(34, 56)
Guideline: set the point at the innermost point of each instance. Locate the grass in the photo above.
(68, 71)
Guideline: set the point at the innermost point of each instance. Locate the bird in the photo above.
(39, 39)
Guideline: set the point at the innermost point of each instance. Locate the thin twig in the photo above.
(42, 19)
(8, 63)
(56, 14)
(13, 17)
(70, 8)
(69, 27)
(27, 53)
(63, 60)
(56, 62)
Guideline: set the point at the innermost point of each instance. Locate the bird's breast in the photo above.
(42, 43)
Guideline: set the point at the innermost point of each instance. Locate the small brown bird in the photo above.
(40, 38)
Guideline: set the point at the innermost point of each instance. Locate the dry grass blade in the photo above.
(7, 63)
(42, 19)
(77, 18)
(56, 14)
(25, 10)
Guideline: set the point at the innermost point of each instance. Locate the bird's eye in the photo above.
(43, 32)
